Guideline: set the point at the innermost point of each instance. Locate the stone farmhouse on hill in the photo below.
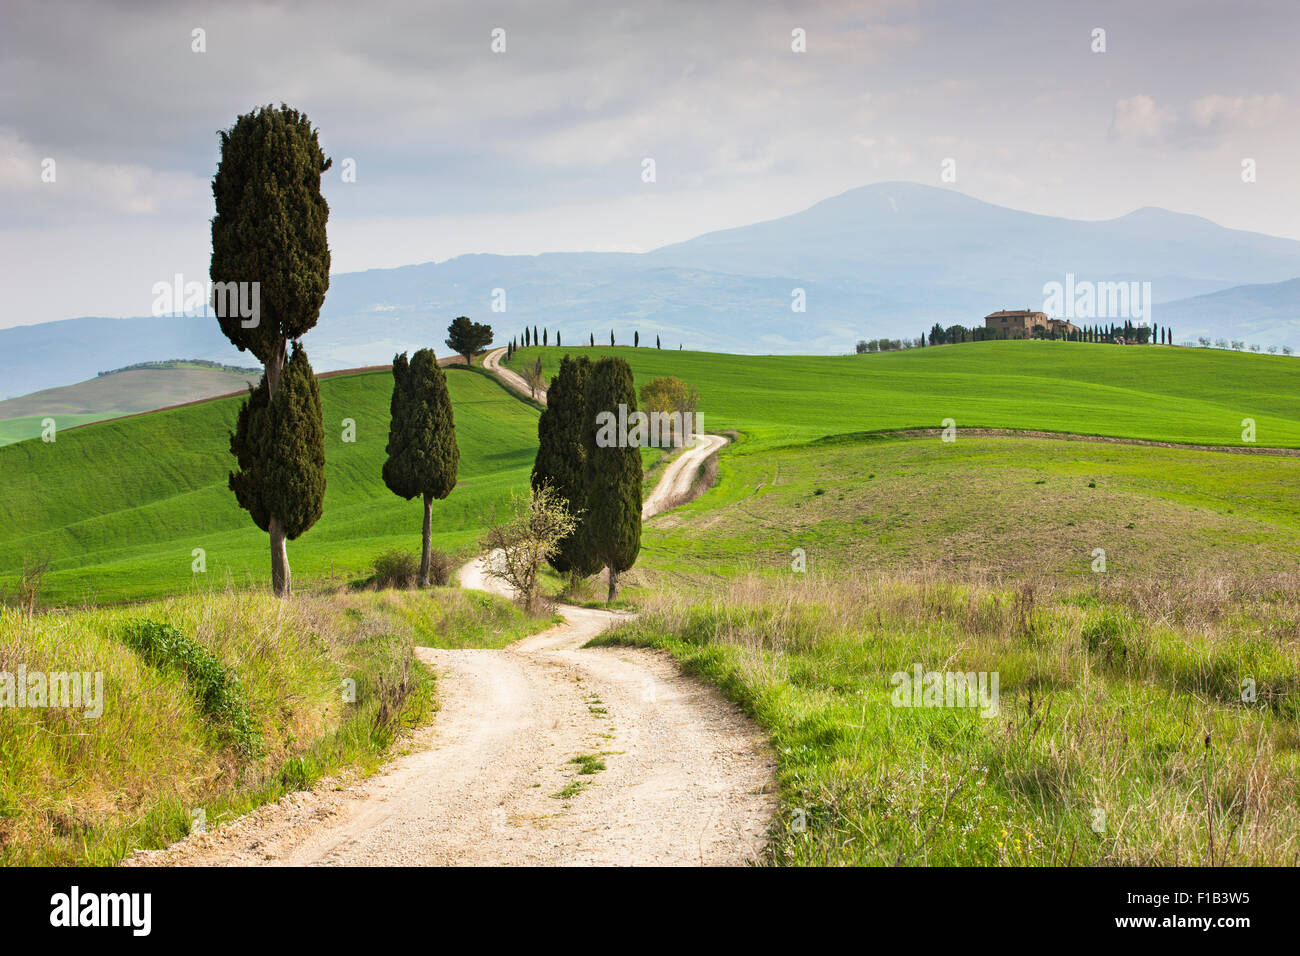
(1024, 324)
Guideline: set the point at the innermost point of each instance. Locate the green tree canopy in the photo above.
(465, 337)
(561, 462)
(423, 457)
(613, 473)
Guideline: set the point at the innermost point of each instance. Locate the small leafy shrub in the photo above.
(217, 687)
(395, 569)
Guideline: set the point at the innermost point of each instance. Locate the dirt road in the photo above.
(679, 775)
(492, 362)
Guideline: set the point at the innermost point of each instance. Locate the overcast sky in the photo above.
(540, 147)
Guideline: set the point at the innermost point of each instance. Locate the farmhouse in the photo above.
(1025, 324)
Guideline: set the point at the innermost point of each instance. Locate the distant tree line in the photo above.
(183, 363)
(1237, 345)
(533, 336)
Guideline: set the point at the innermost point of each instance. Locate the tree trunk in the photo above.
(274, 369)
(280, 581)
(613, 586)
(428, 541)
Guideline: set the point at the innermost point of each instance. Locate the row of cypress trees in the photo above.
(600, 485)
(530, 338)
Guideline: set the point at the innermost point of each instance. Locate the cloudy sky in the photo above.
(458, 148)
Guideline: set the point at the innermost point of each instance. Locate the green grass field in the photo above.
(1197, 396)
(119, 507)
(1010, 507)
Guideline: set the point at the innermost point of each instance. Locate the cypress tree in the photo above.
(423, 457)
(657, 345)
(279, 444)
(269, 235)
(613, 535)
(536, 340)
(557, 338)
(593, 340)
(545, 335)
(636, 339)
(525, 336)
(561, 461)
(611, 336)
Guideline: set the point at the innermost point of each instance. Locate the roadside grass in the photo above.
(1162, 394)
(1121, 735)
(81, 791)
(120, 507)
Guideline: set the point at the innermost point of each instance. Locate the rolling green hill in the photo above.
(125, 392)
(120, 506)
(1163, 394)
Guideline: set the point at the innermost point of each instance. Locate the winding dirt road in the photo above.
(687, 779)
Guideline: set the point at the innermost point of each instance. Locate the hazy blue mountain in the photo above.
(50, 354)
(887, 259)
(1267, 314)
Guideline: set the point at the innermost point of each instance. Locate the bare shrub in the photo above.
(395, 569)
(517, 549)
(29, 584)
(441, 565)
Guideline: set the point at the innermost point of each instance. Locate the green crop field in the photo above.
(1183, 395)
(119, 507)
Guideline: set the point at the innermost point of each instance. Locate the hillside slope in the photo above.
(120, 506)
(118, 393)
(1155, 393)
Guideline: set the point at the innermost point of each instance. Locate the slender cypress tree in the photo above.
(279, 444)
(545, 335)
(561, 462)
(611, 336)
(636, 339)
(423, 457)
(657, 345)
(525, 336)
(613, 471)
(536, 340)
(557, 338)
(268, 236)
(593, 340)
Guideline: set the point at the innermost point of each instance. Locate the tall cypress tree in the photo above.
(269, 235)
(613, 471)
(593, 339)
(557, 338)
(423, 457)
(279, 444)
(561, 461)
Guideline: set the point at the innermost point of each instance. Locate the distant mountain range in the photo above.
(889, 259)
